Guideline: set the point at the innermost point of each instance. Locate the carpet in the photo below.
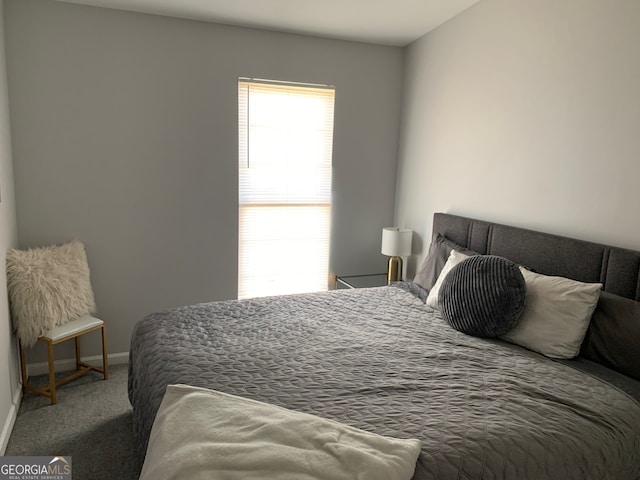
(91, 423)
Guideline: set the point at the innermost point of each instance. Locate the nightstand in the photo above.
(361, 281)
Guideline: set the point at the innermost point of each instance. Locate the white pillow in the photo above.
(48, 286)
(454, 259)
(557, 312)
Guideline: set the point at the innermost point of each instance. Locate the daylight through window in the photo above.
(285, 147)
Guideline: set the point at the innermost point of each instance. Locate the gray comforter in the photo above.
(380, 360)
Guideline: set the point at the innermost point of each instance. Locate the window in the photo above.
(285, 146)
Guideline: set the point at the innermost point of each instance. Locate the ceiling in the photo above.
(385, 22)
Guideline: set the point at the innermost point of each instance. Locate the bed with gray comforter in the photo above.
(380, 360)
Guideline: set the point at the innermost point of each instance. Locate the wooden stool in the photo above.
(59, 334)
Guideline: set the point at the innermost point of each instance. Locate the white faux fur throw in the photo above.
(48, 287)
(201, 434)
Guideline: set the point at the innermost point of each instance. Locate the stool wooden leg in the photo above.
(52, 373)
(23, 366)
(105, 365)
(78, 359)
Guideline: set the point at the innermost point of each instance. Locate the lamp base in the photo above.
(394, 271)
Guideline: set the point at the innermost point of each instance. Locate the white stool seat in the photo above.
(73, 328)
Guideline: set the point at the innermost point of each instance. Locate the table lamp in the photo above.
(396, 243)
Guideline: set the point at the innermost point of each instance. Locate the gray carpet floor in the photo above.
(91, 423)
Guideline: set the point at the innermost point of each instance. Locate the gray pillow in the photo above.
(613, 338)
(437, 256)
(483, 296)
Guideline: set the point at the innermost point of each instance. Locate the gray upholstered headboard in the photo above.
(617, 269)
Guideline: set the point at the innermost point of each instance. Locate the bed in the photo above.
(382, 361)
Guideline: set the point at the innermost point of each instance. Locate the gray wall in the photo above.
(9, 370)
(526, 113)
(125, 136)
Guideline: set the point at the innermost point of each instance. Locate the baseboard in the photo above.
(66, 364)
(7, 428)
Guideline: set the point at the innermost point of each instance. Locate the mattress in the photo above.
(380, 360)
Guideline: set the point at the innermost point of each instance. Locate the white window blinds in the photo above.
(285, 147)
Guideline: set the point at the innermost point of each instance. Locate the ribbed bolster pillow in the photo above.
(483, 296)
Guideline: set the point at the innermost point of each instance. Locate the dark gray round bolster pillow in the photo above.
(483, 296)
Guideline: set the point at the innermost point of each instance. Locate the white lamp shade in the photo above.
(396, 242)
